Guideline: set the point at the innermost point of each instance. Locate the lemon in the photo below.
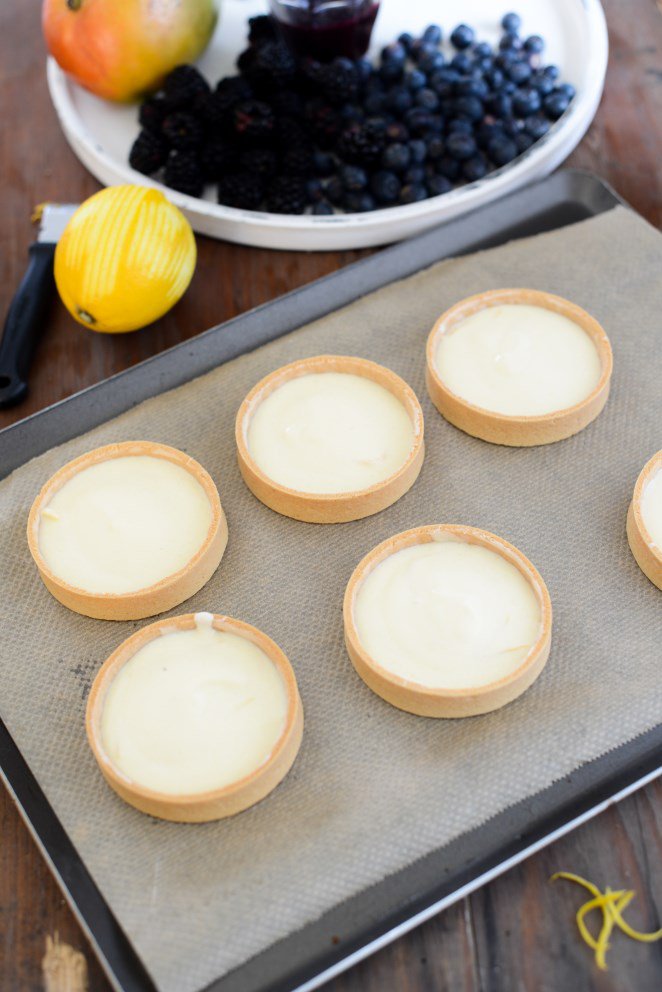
(124, 259)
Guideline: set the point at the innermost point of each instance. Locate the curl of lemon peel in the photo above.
(612, 904)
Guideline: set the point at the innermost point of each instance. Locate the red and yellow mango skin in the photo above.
(121, 49)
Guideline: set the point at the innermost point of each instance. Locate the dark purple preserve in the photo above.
(323, 29)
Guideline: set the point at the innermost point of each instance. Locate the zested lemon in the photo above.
(124, 259)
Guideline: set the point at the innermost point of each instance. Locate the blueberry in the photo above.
(435, 148)
(473, 87)
(323, 208)
(500, 105)
(418, 151)
(543, 84)
(460, 145)
(394, 53)
(358, 203)
(567, 89)
(536, 126)
(314, 191)
(323, 163)
(432, 34)
(437, 185)
(363, 69)
(462, 63)
(436, 124)
(449, 168)
(523, 142)
(501, 150)
(353, 178)
(351, 112)
(460, 125)
(511, 126)
(413, 193)
(482, 65)
(534, 44)
(430, 63)
(511, 22)
(421, 49)
(396, 131)
(444, 82)
(427, 99)
(519, 72)
(385, 186)
(552, 71)
(374, 102)
(415, 80)
(494, 78)
(487, 131)
(470, 107)
(510, 43)
(508, 87)
(482, 50)
(418, 120)
(414, 175)
(526, 102)
(396, 156)
(335, 190)
(474, 168)
(462, 37)
(556, 104)
(406, 39)
(399, 99)
(391, 72)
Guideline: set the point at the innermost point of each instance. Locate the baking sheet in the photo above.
(460, 439)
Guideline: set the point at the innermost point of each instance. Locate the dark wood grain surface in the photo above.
(516, 934)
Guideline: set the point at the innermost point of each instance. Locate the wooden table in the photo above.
(518, 932)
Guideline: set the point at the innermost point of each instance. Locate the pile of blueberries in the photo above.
(292, 135)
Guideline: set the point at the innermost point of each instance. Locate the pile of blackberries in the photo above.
(288, 135)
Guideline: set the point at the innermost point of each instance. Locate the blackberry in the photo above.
(182, 130)
(182, 85)
(361, 144)
(148, 153)
(217, 157)
(231, 91)
(286, 195)
(286, 103)
(154, 108)
(253, 120)
(183, 172)
(273, 66)
(325, 123)
(246, 59)
(261, 29)
(339, 81)
(259, 162)
(241, 190)
(298, 161)
(290, 134)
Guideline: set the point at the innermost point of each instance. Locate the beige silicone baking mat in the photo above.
(373, 788)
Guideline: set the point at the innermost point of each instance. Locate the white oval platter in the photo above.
(101, 133)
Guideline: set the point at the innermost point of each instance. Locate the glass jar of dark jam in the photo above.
(324, 29)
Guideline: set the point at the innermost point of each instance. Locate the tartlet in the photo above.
(328, 508)
(163, 595)
(424, 700)
(518, 430)
(197, 807)
(647, 553)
